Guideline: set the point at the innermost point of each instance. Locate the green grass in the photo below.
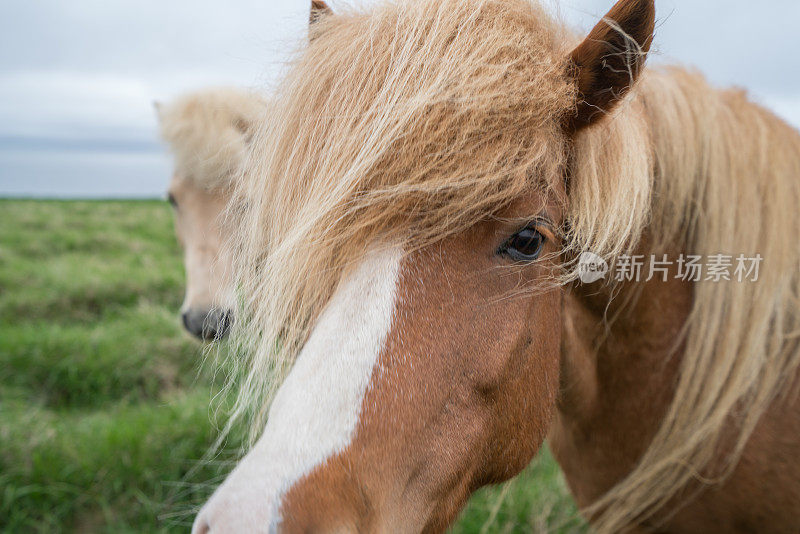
(104, 410)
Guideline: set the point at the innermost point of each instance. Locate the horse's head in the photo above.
(208, 132)
(420, 159)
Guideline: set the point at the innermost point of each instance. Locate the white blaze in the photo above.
(316, 410)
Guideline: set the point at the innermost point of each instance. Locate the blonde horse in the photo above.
(410, 225)
(208, 132)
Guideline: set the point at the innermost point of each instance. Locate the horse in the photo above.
(208, 132)
(408, 252)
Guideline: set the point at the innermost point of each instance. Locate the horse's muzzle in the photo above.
(208, 325)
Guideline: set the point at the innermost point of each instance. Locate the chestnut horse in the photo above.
(208, 132)
(406, 253)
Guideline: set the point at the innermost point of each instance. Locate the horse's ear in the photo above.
(319, 9)
(245, 127)
(608, 62)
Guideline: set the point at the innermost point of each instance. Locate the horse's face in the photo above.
(206, 307)
(428, 375)
(431, 371)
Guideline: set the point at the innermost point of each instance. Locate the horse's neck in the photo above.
(617, 334)
(621, 350)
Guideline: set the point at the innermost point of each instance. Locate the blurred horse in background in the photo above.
(208, 132)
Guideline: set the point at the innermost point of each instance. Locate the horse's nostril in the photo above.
(216, 324)
(208, 325)
(197, 324)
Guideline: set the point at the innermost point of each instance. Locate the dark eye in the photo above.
(171, 200)
(524, 246)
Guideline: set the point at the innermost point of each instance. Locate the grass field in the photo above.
(105, 409)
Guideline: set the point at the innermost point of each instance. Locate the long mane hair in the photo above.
(413, 122)
(723, 177)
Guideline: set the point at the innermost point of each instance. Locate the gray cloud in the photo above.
(85, 72)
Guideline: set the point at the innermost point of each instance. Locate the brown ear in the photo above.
(319, 9)
(608, 62)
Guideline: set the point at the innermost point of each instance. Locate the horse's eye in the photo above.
(171, 200)
(524, 246)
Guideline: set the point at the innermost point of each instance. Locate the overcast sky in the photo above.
(77, 78)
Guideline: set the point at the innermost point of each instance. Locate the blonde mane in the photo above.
(208, 131)
(413, 122)
(724, 178)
